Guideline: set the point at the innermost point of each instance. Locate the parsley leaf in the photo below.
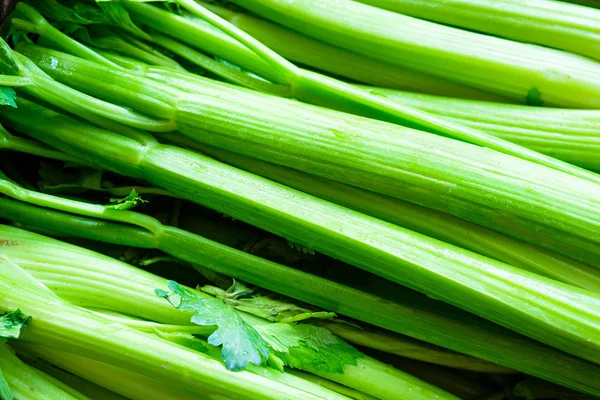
(242, 344)
(11, 325)
(128, 202)
(309, 347)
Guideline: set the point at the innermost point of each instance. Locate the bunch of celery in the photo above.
(329, 227)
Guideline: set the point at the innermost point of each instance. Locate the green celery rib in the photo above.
(15, 143)
(118, 380)
(27, 382)
(82, 272)
(429, 222)
(308, 86)
(492, 189)
(66, 327)
(497, 65)
(83, 386)
(561, 315)
(403, 317)
(548, 23)
(570, 135)
(295, 47)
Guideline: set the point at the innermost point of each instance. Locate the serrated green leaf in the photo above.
(5, 393)
(241, 343)
(309, 347)
(128, 202)
(11, 325)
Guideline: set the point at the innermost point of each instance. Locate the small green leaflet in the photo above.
(7, 96)
(534, 97)
(11, 325)
(269, 306)
(242, 344)
(309, 347)
(128, 202)
(299, 247)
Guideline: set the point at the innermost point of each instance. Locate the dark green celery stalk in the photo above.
(569, 135)
(321, 90)
(419, 219)
(295, 47)
(26, 382)
(87, 272)
(63, 326)
(562, 315)
(408, 316)
(486, 187)
(15, 143)
(497, 65)
(553, 24)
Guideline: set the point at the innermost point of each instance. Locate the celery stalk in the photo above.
(27, 382)
(119, 380)
(64, 326)
(500, 66)
(561, 316)
(509, 195)
(87, 272)
(570, 135)
(295, 47)
(548, 23)
(316, 89)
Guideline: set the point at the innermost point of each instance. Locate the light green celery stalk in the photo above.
(27, 382)
(61, 325)
(79, 279)
(18, 144)
(562, 315)
(312, 88)
(419, 219)
(548, 23)
(517, 70)
(412, 306)
(86, 387)
(295, 47)
(483, 186)
(569, 135)
(422, 319)
(120, 381)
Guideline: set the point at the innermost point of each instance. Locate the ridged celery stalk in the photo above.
(501, 66)
(562, 315)
(423, 220)
(26, 382)
(295, 47)
(64, 326)
(570, 135)
(525, 200)
(82, 272)
(550, 23)
(305, 85)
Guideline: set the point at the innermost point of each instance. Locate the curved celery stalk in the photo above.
(295, 47)
(317, 89)
(408, 316)
(562, 315)
(489, 188)
(497, 65)
(87, 272)
(570, 135)
(15, 143)
(27, 382)
(549, 23)
(423, 220)
(67, 327)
